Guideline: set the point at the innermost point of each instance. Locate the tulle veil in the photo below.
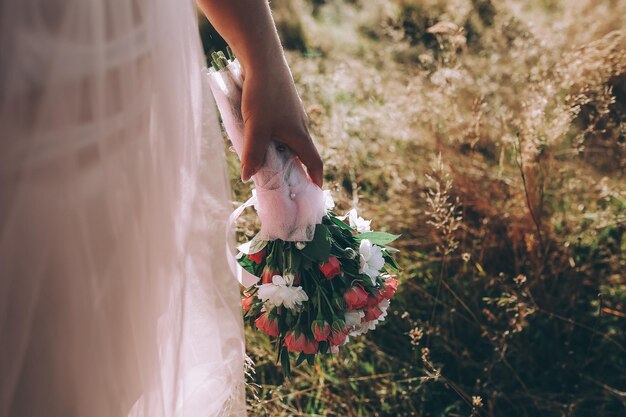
(115, 294)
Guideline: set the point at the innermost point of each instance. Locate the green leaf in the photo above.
(377, 238)
(284, 361)
(319, 248)
(390, 262)
(301, 358)
(340, 223)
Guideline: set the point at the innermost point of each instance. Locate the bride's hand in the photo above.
(272, 109)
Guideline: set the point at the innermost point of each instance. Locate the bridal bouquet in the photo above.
(313, 279)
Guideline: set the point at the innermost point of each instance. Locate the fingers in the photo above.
(255, 142)
(307, 152)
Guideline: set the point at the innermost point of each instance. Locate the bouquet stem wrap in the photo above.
(288, 203)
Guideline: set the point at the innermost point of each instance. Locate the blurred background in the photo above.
(491, 135)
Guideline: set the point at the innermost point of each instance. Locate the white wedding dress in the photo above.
(116, 298)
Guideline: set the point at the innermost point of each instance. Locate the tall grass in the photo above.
(491, 135)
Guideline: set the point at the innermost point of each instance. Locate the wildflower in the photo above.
(332, 268)
(372, 259)
(416, 335)
(280, 293)
(477, 401)
(267, 325)
(520, 279)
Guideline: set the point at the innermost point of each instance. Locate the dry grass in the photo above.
(513, 296)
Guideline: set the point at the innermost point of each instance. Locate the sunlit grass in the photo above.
(525, 103)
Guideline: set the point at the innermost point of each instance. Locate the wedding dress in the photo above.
(116, 298)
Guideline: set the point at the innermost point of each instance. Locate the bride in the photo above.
(115, 293)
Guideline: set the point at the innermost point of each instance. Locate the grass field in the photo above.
(491, 135)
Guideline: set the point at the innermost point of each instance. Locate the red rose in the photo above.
(246, 303)
(390, 287)
(332, 268)
(372, 313)
(267, 325)
(355, 297)
(258, 257)
(321, 330)
(375, 299)
(300, 344)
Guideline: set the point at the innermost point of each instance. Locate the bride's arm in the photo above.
(271, 106)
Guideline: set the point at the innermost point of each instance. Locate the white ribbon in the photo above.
(244, 277)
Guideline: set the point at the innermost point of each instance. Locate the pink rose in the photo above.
(389, 288)
(246, 303)
(321, 330)
(372, 313)
(332, 268)
(355, 297)
(300, 344)
(337, 338)
(267, 325)
(375, 299)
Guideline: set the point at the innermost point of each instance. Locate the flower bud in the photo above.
(355, 297)
(389, 288)
(338, 325)
(332, 268)
(321, 330)
(268, 275)
(267, 325)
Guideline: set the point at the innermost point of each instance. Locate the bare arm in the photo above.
(271, 106)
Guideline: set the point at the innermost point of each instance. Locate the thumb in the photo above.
(255, 142)
(310, 157)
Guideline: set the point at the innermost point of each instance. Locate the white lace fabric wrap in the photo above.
(115, 292)
(288, 203)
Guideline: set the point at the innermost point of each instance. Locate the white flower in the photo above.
(279, 292)
(359, 223)
(365, 327)
(300, 245)
(353, 318)
(329, 203)
(372, 260)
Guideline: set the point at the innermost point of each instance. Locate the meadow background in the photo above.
(491, 135)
